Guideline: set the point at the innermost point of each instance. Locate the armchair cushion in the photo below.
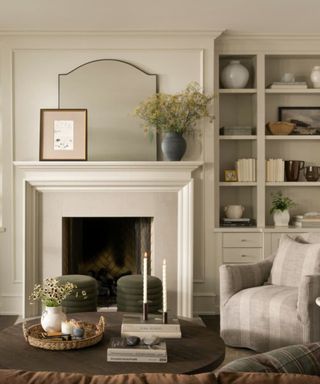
(302, 359)
(294, 260)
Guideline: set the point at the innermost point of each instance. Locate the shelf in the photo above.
(292, 137)
(238, 184)
(266, 229)
(293, 184)
(238, 137)
(249, 91)
(306, 91)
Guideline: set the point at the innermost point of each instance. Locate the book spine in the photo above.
(136, 359)
(150, 328)
(166, 335)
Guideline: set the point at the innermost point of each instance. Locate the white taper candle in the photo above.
(145, 274)
(164, 285)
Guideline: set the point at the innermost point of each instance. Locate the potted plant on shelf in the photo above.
(174, 116)
(52, 293)
(280, 209)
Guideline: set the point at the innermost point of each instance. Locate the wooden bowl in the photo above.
(281, 128)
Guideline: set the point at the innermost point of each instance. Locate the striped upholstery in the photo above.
(293, 260)
(261, 316)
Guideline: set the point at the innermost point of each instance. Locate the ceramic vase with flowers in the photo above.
(51, 293)
(174, 116)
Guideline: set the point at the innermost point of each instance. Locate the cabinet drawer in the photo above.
(236, 240)
(242, 255)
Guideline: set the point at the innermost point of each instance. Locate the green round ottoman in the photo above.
(76, 302)
(130, 293)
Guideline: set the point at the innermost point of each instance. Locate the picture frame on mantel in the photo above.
(63, 134)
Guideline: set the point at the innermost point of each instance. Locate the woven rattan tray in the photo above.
(93, 333)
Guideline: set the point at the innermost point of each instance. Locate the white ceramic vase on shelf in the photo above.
(315, 76)
(51, 319)
(234, 75)
(281, 218)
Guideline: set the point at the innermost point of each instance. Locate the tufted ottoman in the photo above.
(77, 302)
(130, 293)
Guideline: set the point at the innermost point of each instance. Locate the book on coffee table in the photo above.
(119, 351)
(135, 326)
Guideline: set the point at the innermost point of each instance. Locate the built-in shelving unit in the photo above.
(255, 106)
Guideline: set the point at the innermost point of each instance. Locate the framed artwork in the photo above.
(230, 175)
(306, 119)
(63, 134)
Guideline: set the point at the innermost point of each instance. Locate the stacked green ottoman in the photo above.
(130, 293)
(76, 302)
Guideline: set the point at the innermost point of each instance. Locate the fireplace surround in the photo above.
(48, 191)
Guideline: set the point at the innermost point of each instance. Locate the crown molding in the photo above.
(116, 33)
(234, 35)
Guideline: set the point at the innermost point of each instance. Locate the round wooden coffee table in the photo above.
(199, 350)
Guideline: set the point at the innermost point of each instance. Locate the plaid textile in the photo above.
(304, 359)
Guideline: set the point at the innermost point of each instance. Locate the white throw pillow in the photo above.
(294, 260)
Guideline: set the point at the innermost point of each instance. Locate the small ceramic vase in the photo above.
(234, 75)
(315, 76)
(281, 218)
(173, 146)
(51, 319)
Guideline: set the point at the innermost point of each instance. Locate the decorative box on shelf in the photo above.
(136, 326)
(237, 130)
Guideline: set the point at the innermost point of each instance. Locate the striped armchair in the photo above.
(271, 304)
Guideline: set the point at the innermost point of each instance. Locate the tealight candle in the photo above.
(66, 327)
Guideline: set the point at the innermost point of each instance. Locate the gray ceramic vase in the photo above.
(173, 146)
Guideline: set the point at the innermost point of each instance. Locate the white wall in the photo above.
(29, 81)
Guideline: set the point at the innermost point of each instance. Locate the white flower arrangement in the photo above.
(52, 292)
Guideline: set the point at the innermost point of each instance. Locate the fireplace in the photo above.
(105, 248)
(47, 192)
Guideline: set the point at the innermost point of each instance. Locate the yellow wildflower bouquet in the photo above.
(174, 113)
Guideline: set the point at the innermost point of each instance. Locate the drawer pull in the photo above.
(245, 255)
(243, 240)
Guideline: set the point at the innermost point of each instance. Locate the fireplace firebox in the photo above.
(105, 248)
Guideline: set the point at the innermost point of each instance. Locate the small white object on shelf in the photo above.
(315, 76)
(318, 301)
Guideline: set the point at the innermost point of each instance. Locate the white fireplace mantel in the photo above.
(34, 178)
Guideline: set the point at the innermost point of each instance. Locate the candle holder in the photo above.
(164, 317)
(145, 312)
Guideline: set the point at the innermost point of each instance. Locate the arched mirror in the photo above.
(110, 90)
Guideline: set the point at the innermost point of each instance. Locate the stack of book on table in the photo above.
(246, 169)
(119, 351)
(135, 326)
(288, 85)
(242, 222)
(311, 220)
(275, 170)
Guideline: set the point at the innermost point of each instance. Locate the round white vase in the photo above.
(315, 76)
(51, 319)
(234, 75)
(281, 218)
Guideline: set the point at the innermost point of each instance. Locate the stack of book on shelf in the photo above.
(119, 350)
(288, 85)
(135, 326)
(246, 169)
(275, 170)
(311, 220)
(242, 222)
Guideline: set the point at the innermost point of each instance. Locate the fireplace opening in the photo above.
(105, 248)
